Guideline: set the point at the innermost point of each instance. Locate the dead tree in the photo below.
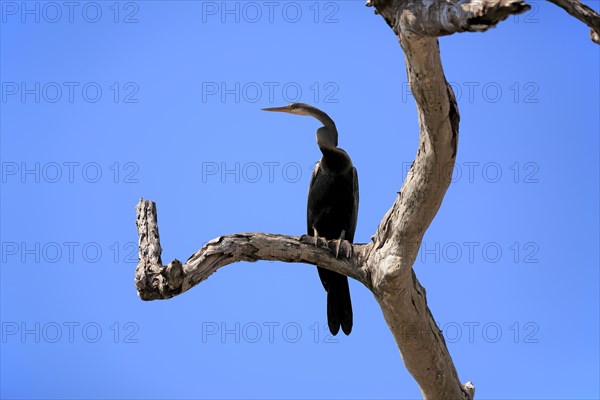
(384, 266)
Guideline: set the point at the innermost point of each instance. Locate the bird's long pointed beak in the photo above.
(278, 109)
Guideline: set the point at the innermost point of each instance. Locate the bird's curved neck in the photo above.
(327, 139)
(320, 115)
(334, 158)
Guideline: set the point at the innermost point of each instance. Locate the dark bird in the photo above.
(332, 210)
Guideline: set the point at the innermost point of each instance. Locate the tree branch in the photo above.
(154, 281)
(583, 13)
(428, 179)
(440, 18)
(398, 238)
(403, 303)
(401, 297)
(421, 342)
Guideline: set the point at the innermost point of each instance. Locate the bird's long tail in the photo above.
(339, 305)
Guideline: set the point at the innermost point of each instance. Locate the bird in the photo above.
(332, 210)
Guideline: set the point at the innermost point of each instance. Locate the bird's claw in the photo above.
(316, 241)
(339, 246)
(321, 242)
(308, 239)
(345, 247)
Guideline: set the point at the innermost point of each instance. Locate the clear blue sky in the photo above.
(104, 103)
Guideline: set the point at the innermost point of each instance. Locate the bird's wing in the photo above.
(309, 228)
(350, 234)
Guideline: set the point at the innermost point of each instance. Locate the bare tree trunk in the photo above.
(384, 266)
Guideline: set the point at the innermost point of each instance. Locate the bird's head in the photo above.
(294, 108)
(327, 135)
(305, 109)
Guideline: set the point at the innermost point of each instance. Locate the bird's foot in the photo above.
(315, 241)
(308, 239)
(343, 248)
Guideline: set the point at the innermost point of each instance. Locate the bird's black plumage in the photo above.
(332, 209)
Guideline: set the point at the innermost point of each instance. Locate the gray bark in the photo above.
(584, 14)
(386, 271)
(384, 266)
(155, 281)
(439, 18)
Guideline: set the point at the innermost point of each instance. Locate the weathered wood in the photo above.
(399, 235)
(402, 299)
(155, 281)
(439, 18)
(583, 13)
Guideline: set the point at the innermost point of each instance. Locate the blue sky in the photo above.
(106, 102)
